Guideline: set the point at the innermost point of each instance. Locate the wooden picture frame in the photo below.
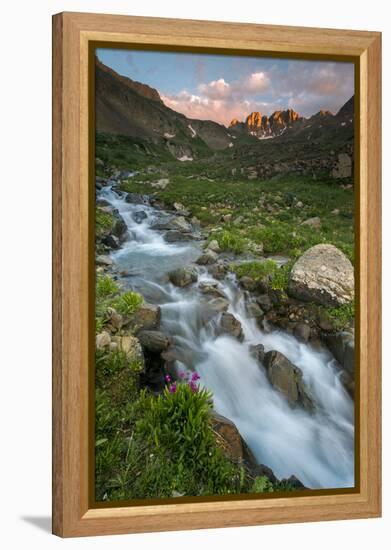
(73, 33)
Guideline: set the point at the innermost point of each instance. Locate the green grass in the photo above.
(268, 217)
(104, 222)
(267, 271)
(340, 317)
(105, 287)
(128, 302)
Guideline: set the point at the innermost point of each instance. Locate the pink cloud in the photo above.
(219, 110)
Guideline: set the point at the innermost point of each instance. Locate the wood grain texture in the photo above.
(72, 34)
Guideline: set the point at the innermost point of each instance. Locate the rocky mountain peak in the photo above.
(234, 122)
(263, 126)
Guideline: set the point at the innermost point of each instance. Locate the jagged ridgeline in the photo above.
(134, 127)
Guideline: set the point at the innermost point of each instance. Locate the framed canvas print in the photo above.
(216, 274)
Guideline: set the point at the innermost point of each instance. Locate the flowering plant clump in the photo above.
(190, 379)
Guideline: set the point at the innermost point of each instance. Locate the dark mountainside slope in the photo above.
(128, 108)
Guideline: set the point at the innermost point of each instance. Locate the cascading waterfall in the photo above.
(318, 448)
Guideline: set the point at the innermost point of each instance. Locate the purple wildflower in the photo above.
(172, 388)
(193, 386)
(167, 378)
(195, 376)
(182, 375)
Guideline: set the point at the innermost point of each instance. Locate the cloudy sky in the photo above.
(220, 88)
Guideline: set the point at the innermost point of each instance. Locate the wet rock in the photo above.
(315, 223)
(230, 325)
(102, 340)
(288, 379)
(183, 276)
(139, 216)
(258, 352)
(218, 270)
(120, 230)
(211, 290)
(209, 257)
(214, 246)
(347, 380)
(218, 305)
(147, 317)
(324, 275)
(177, 236)
(302, 331)
(254, 311)
(265, 302)
(181, 224)
(341, 345)
(104, 260)
(111, 241)
(136, 198)
(248, 283)
(154, 340)
(227, 436)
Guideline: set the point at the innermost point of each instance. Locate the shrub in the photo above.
(341, 316)
(128, 302)
(256, 270)
(179, 436)
(262, 485)
(105, 287)
(231, 240)
(278, 276)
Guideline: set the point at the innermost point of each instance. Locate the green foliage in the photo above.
(128, 302)
(105, 287)
(230, 240)
(178, 434)
(262, 485)
(256, 270)
(342, 316)
(103, 222)
(278, 277)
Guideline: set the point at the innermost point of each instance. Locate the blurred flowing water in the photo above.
(318, 448)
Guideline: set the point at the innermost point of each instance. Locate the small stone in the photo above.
(103, 340)
(213, 246)
(104, 260)
(209, 257)
(313, 222)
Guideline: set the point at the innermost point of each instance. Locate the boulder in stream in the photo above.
(288, 379)
(139, 216)
(174, 236)
(227, 436)
(154, 340)
(183, 276)
(324, 275)
(209, 257)
(230, 325)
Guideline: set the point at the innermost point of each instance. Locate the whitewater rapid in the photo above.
(317, 448)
